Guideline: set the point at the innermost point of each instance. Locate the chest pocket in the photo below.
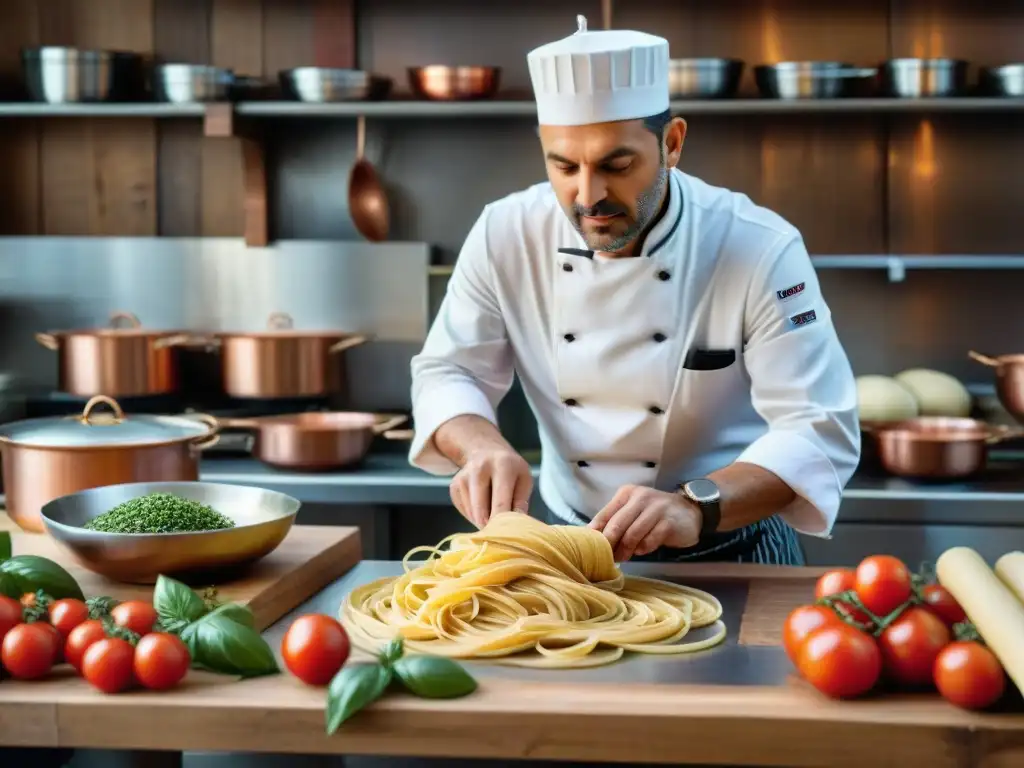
(712, 385)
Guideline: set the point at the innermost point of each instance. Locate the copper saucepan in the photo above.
(283, 361)
(122, 360)
(1009, 381)
(318, 440)
(936, 447)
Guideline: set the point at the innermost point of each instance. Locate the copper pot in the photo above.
(119, 361)
(282, 361)
(936, 447)
(318, 440)
(440, 83)
(1009, 381)
(44, 459)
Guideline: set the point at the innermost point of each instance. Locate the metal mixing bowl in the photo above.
(192, 83)
(262, 519)
(57, 75)
(1007, 80)
(811, 79)
(320, 85)
(924, 78)
(440, 83)
(704, 78)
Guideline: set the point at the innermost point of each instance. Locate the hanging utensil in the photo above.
(367, 203)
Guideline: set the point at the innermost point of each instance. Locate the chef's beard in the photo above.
(647, 207)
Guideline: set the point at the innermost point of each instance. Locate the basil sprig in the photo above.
(222, 640)
(358, 685)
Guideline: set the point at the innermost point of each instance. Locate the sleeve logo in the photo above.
(804, 318)
(788, 293)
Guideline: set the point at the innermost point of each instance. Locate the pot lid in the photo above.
(94, 429)
(280, 325)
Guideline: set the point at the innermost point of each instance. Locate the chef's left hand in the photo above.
(638, 520)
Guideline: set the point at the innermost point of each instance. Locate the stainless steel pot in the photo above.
(44, 459)
(704, 78)
(321, 84)
(811, 79)
(57, 75)
(1007, 80)
(192, 83)
(924, 78)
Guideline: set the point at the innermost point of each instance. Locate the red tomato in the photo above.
(910, 645)
(107, 664)
(67, 614)
(81, 637)
(840, 660)
(801, 622)
(135, 615)
(834, 582)
(882, 584)
(969, 675)
(314, 648)
(27, 651)
(942, 604)
(56, 640)
(161, 661)
(10, 614)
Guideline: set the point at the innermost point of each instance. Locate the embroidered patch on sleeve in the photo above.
(804, 318)
(788, 293)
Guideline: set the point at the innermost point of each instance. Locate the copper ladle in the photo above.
(367, 203)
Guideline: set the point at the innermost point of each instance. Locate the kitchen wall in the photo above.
(854, 183)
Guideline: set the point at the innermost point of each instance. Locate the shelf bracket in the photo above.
(896, 269)
(221, 122)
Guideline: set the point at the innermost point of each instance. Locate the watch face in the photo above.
(702, 491)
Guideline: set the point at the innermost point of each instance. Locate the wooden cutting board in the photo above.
(310, 558)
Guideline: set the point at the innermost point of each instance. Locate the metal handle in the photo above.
(1002, 432)
(280, 320)
(351, 341)
(48, 340)
(128, 317)
(101, 400)
(387, 423)
(210, 440)
(360, 138)
(176, 340)
(253, 424)
(399, 434)
(983, 359)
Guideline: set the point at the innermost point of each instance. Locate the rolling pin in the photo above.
(1010, 568)
(990, 605)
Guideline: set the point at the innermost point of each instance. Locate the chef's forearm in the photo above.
(749, 493)
(463, 435)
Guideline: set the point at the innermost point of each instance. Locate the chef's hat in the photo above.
(597, 77)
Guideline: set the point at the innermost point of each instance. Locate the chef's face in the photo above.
(610, 178)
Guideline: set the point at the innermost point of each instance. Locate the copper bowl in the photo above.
(440, 83)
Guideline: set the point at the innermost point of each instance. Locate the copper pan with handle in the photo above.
(318, 441)
(1009, 371)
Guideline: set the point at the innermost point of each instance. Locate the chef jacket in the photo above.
(714, 345)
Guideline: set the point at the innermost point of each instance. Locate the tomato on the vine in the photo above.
(882, 583)
(800, 623)
(940, 602)
(161, 660)
(108, 664)
(135, 615)
(911, 644)
(833, 582)
(840, 660)
(314, 648)
(81, 637)
(969, 675)
(67, 614)
(27, 651)
(10, 614)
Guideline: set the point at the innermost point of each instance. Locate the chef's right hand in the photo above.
(492, 480)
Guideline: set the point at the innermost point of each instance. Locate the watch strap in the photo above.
(710, 510)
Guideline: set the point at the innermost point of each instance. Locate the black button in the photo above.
(567, 267)
(655, 410)
(650, 464)
(663, 275)
(570, 337)
(582, 463)
(570, 402)
(659, 337)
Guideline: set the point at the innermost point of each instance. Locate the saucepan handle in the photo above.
(399, 434)
(202, 443)
(177, 340)
(250, 424)
(1002, 433)
(387, 422)
(983, 359)
(48, 340)
(351, 341)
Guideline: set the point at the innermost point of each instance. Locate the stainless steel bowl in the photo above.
(263, 518)
(1007, 80)
(921, 78)
(57, 75)
(704, 78)
(811, 79)
(192, 83)
(320, 85)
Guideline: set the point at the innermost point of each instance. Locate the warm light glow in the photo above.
(771, 36)
(924, 166)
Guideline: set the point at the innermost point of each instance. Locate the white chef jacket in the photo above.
(714, 345)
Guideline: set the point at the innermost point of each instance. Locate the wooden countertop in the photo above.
(558, 717)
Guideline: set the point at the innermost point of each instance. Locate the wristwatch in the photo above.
(705, 494)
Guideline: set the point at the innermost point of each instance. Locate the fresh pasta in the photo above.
(528, 594)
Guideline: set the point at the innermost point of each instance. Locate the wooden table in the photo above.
(736, 705)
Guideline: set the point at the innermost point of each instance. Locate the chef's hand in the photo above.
(638, 520)
(492, 480)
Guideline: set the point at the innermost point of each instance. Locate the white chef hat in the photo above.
(598, 77)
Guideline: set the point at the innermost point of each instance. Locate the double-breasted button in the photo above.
(650, 464)
(571, 402)
(659, 337)
(656, 410)
(567, 267)
(664, 275)
(582, 463)
(570, 337)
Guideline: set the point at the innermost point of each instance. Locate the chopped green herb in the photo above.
(160, 513)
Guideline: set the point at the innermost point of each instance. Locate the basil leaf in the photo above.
(5, 546)
(221, 645)
(31, 573)
(392, 651)
(432, 677)
(9, 586)
(354, 687)
(176, 604)
(237, 613)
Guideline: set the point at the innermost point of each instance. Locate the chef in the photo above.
(692, 397)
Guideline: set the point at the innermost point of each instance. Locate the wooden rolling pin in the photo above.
(990, 605)
(1010, 568)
